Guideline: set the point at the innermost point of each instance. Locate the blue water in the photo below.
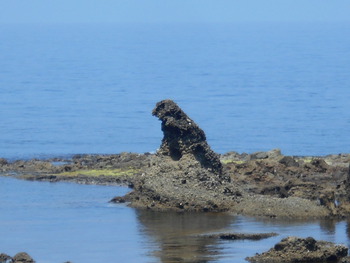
(56, 222)
(69, 89)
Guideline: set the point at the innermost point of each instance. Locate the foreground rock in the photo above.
(294, 249)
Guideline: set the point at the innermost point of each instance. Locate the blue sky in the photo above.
(164, 11)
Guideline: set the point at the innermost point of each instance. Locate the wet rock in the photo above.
(22, 257)
(294, 249)
(183, 136)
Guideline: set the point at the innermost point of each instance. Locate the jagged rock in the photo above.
(183, 136)
(294, 249)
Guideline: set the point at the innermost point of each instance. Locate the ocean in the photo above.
(72, 89)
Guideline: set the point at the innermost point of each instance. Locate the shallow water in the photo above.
(56, 222)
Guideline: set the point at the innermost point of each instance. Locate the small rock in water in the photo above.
(294, 249)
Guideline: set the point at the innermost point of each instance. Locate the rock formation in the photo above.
(185, 174)
(182, 136)
(294, 249)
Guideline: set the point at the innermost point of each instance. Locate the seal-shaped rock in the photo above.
(183, 136)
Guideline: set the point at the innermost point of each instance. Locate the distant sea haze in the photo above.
(251, 87)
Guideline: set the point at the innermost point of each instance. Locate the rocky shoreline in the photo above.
(186, 175)
(261, 184)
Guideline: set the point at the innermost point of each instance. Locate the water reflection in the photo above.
(328, 226)
(176, 235)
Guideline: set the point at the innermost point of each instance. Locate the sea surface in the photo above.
(57, 222)
(71, 89)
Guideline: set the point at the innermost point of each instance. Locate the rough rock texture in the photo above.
(185, 173)
(294, 249)
(183, 136)
(181, 185)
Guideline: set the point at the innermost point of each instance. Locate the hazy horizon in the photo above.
(166, 11)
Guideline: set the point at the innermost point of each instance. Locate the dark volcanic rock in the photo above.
(183, 136)
(294, 249)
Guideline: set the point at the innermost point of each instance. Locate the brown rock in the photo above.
(294, 249)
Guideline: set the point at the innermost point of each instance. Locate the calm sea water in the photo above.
(56, 222)
(91, 89)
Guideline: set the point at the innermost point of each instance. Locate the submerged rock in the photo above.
(294, 249)
(183, 136)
